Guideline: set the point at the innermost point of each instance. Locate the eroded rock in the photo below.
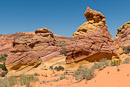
(92, 41)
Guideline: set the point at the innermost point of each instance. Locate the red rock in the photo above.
(92, 41)
(123, 34)
(44, 32)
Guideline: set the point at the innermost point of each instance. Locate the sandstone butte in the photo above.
(30, 51)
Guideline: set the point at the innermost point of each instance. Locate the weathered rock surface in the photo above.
(122, 41)
(123, 34)
(92, 41)
(44, 32)
(29, 53)
(6, 40)
(95, 20)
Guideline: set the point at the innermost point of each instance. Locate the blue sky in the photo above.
(62, 17)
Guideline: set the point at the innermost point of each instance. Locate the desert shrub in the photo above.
(59, 68)
(36, 74)
(3, 57)
(115, 63)
(127, 49)
(126, 61)
(8, 82)
(25, 80)
(55, 80)
(101, 64)
(51, 67)
(84, 73)
(3, 73)
(3, 67)
(62, 77)
(63, 51)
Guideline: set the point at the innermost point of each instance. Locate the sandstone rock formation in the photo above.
(95, 20)
(122, 41)
(92, 41)
(29, 53)
(6, 40)
(44, 32)
(123, 34)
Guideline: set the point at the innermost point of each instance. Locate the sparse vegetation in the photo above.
(36, 74)
(115, 63)
(2, 65)
(63, 51)
(84, 72)
(101, 64)
(8, 82)
(51, 67)
(59, 68)
(62, 77)
(25, 80)
(127, 49)
(3, 73)
(3, 57)
(126, 61)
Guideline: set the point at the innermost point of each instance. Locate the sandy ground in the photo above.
(112, 77)
(116, 76)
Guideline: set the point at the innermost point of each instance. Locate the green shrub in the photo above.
(101, 64)
(127, 49)
(63, 51)
(3, 73)
(3, 57)
(36, 74)
(115, 63)
(62, 77)
(25, 80)
(59, 68)
(84, 73)
(51, 67)
(8, 82)
(3, 67)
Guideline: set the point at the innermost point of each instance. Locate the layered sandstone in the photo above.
(123, 34)
(92, 41)
(28, 53)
